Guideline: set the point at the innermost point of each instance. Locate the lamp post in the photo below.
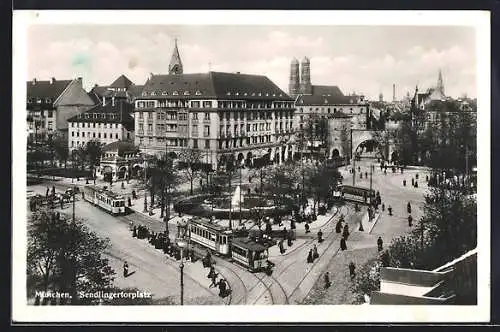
(182, 243)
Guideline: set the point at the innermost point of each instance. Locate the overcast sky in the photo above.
(358, 59)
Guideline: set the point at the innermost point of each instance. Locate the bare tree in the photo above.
(190, 165)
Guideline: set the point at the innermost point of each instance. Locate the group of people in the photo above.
(224, 289)
(414, 181)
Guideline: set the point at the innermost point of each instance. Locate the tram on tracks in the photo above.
(355, 194)
(210, 235)
(105, 199)
(247, 252)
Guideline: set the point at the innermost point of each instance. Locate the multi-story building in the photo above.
(105, 124)
(321, 100)
(122, 89)
(51, 103)
(227, 116)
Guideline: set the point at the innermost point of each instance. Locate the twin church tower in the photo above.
(300, 84)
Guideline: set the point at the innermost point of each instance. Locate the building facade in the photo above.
(51, 103)
(105, 124)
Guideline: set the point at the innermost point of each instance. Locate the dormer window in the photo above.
(153, 93)
(237, 93)
(281, 95)
(186, 93)
(164, 93)
(245, 94)
(198, 93)
(175, 93)
(228, 93)
(38, 100)
(144, 93)
(260, 94)
(86, 116)
(267, 94)
(30, 100)
(48, 100)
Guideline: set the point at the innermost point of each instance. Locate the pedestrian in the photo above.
(62, 202)
(366, 175)
(352, 270)
(343, 244)
(410, 220)
(360, 175)
(214, 280)
(53, 190)
(222, 288)
(383, 207)
(380, 242)
(307, 228)
(134, 194)
(284, 234)
(310, 256)
(125, 269)
(359, 169)
(346, 233)
(129, 201)
(416, 184)
(47, 192)
(390, 210)
(327, 280)
(427, 178)
(404, 183)
(320, 236)
(385, 171)
(280, 245)
(408, 207)
(315, 252)
(211, 272)
(134, 231)
(413, 182)
(416, 176)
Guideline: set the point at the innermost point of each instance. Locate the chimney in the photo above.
(34, 81)
(52, 80)
(113, 101)
(394, 92)
(103, 101)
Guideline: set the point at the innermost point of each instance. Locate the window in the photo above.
(99, 135)
(207, 116)
(195, 104)
(195, 144)
(93, 135)
(83, 134)
(206, 131)
(105, 135)
(207, 144)
(207, 104)
(72, 134)
(49, 114)
(116, 135)
(150, 127)
(195, 130)
(141, 115)
(195, 116)
(77, 134)
(72, 144)
(183, 116)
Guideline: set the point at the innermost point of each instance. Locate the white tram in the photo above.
(252, 255)
(210, 235)
(106, 199)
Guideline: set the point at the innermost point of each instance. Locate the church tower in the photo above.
(440, 84)
(175, 66)
(293, 86)
(305, 77)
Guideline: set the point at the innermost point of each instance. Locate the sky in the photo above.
(361, 59)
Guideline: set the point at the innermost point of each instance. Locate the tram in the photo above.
(105, 199)
(210, 235)
(356, 194)
(252, 255)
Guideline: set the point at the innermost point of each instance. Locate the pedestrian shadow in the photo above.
(129, 274)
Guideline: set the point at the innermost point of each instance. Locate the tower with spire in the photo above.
(440, 84)
(175, 66)
(294, 85)
(305, 77)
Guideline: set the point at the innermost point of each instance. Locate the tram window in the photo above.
(217, 239)
(224, 240)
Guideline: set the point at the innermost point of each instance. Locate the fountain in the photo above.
(237, 198)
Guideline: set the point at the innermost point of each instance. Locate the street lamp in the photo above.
(182, 243)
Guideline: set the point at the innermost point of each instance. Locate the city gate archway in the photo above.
(359, 136)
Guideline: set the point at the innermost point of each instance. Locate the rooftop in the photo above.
(46, 89)
(213, 85)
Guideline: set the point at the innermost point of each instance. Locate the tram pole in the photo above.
(371, 175)
(240, 193)
(74, 192)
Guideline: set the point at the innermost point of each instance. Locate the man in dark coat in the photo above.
(379, 243)
(327, 280)
(352, 270)
(410, 220)
(346, 233)
(408, 207)
(343, 244)
(125, 269)
(310, 256)
(315, 252)
(307, 228)
(320, 236)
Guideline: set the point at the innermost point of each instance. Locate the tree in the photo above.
(281, 183)
(61, 149)
(65, 256)
(93, 152)
(189, 163)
